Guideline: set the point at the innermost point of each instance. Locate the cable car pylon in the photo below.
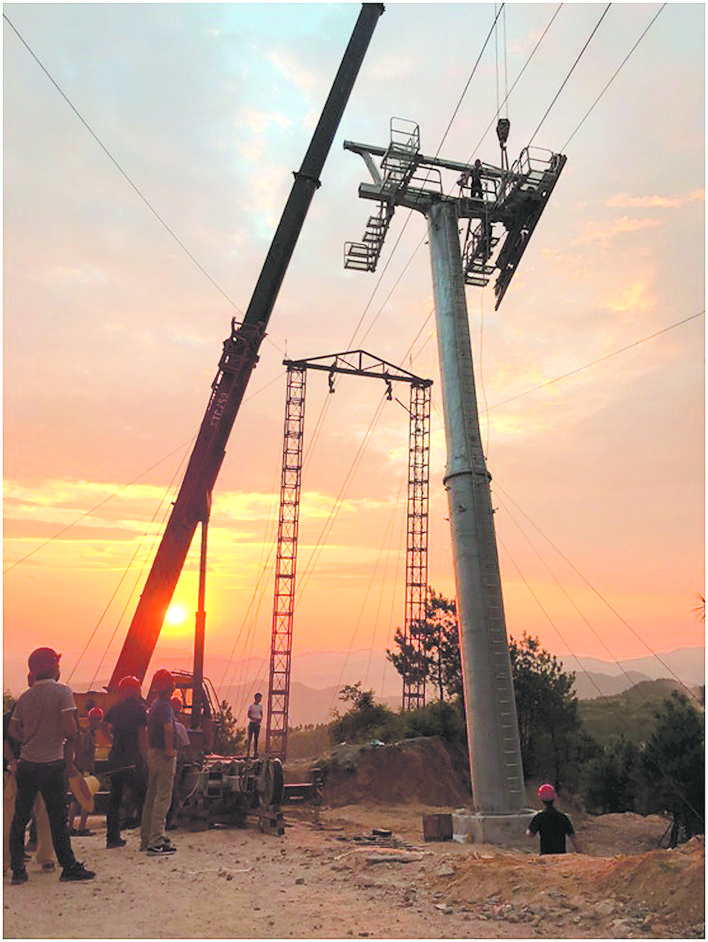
(506, 205)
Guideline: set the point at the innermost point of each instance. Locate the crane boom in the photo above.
(239, 358)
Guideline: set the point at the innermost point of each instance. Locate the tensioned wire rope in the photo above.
(126, 176)
(506, 98)
(328, 525)
(667, 777)
(607, 85)
(662, 773)
(340, 497)
(615, 73)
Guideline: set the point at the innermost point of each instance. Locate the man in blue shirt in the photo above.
(161, 757)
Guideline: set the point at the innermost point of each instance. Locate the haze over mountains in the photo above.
(318, 676)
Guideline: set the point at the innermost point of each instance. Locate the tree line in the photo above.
(663, 774)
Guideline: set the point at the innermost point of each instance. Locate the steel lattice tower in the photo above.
(285, 565)
(357, 363)
(417, 537)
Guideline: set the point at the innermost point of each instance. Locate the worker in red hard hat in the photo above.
(552, 825)
(43, 723)
(125, 725)
(162, 756)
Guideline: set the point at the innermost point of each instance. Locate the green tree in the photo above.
(228, 740)
(364, 720)
(546, 707)
(674, 765)
(433, 651)
(610, 782)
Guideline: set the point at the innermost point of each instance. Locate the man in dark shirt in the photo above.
(552, 825)
(126, 723)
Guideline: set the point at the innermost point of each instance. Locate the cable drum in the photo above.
(271, 783)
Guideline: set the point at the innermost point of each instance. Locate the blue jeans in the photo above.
(48, 779)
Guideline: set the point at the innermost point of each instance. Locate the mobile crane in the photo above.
(226, 780)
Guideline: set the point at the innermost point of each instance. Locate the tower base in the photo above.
(470, 827)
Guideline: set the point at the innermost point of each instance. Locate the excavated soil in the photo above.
(331, 876)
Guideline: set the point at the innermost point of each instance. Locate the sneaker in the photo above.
(159, 850)
(49, 865)
(118, 842)
(19, 876)
(75, 873)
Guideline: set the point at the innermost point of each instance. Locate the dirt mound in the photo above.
(647, 891)
(425, 770)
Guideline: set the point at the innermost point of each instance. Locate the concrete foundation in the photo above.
(469, 827)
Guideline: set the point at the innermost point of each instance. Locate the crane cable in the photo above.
(572, 69)
(118, 167)
(614, 76)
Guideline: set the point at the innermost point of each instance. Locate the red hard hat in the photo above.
(163, 681)
(43, 660)
(129, 686)
(95, 715)
(547, 793)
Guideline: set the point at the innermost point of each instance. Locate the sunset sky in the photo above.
(148, 153)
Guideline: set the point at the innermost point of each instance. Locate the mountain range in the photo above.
(317, 677)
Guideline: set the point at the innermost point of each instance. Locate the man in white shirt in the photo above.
(255, 716)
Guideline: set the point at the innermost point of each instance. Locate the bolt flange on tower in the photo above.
(502, 207)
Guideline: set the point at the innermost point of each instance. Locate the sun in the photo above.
(176, 615)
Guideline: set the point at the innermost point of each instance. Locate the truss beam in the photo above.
(357, 363)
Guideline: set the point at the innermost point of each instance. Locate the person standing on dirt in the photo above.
(86, 764)
(125, 724)
(162, 757)
(255, 717)
(185, 757)
(43, 723)
(552, 825)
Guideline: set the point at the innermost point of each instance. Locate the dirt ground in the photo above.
(338, 880)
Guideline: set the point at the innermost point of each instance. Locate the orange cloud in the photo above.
(632, 298)
(624, 201)
(596, 232)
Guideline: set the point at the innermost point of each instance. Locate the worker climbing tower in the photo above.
(502, 206)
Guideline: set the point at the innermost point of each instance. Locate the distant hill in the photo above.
(596, 678)
(630, 713)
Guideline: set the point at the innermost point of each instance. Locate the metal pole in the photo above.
(199, 633)
(492, 731)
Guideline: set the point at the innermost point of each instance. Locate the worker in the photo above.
(255, 716)
(44, 725)
(552, 825)
(473, 177)
(86, 764)
(40, 839)
(162, 757)
(184, 757)
(125, 725)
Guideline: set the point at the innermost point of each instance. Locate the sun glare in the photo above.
(175, 615)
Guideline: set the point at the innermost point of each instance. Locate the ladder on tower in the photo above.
(399, 163)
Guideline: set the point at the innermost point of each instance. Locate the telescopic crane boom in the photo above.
(238, 360)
